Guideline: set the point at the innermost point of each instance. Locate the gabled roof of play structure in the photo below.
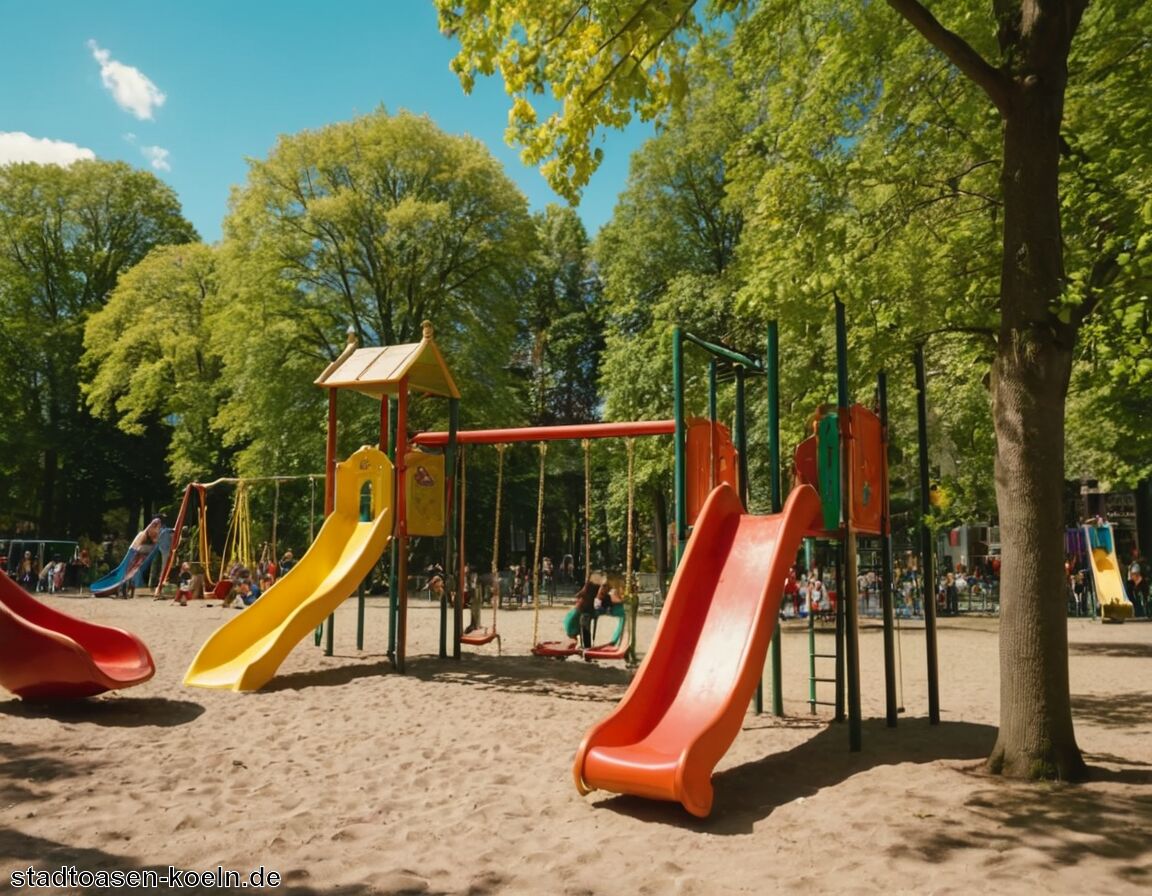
(378, 371)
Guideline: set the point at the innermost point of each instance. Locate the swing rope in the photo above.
(239, 537)
(205, 556)
(543, 448)
(587, 444)
(630, 596)
(500, 449)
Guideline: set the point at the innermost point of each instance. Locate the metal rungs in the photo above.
(825, 656)
(822, 702)
(823, 679)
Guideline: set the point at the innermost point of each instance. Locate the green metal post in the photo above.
(330, 642)
(680, 485)
(848, 596)
(724, 352)
(888, 610)
(811, 661)
(712, 390)
(772, 365)
(740, 437)
(360, 616)
(927, 561)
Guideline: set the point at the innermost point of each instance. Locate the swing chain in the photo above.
(543, 448)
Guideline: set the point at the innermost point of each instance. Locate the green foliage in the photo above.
(369, 226)
(151, 358)
(66, 236)
(573, 68)
(562, 331)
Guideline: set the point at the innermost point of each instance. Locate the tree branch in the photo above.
(958, 51)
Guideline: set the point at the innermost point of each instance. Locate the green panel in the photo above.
(828, 469)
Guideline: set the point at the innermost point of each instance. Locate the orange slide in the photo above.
(49, 655)
(688, 699)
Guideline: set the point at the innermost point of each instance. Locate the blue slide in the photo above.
(133, 566)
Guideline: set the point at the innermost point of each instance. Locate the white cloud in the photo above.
(16, 146)
(158, 156)
(133, 90)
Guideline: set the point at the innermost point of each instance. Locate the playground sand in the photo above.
(345, 778)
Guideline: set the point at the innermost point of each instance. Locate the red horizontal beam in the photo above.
(550, 433)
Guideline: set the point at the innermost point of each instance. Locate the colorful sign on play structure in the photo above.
(817, 463)
(424, 488)
(711, 459)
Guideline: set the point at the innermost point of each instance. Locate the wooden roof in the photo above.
(378, 371)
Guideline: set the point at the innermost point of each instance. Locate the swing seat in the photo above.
(560, 649)
(480, 637)
(609, 651)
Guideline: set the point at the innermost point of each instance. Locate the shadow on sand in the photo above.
(117, 712)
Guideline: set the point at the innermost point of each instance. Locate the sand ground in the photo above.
(346, 778)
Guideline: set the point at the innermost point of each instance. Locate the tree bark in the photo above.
(1029, 386)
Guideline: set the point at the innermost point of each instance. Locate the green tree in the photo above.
(66, 236)
(608, 59)
(369, 226)
(151, 358)
(562, 328)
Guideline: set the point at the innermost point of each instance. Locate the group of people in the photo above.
(594, 600)
(1136, 586)
(245, 585)
(805, 594)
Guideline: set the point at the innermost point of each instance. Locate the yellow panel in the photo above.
(424, 493)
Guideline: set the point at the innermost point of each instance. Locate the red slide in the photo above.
(48, 655)
(688, 699)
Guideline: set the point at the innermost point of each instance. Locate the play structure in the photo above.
(245, 652)
(238, 544)
(685, 705)
(368, 501)
(622, 644)
(1099, 545)
(49, 655)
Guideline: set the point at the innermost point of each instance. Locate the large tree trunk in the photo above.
(1036, 739)
(1029, 385)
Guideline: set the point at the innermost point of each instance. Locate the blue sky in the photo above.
(189, 90)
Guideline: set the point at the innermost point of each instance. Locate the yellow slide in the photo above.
(1110, 593)
(245, 652)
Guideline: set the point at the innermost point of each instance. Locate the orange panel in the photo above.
(804, 463)
(711, 460)
(868, 471)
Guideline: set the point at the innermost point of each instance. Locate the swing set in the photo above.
(238, 538)
(708, 460)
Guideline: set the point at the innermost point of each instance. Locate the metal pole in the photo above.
(772, 365)
(449, 537)
(724, 352)
(851, 622)
(927, 562)
(360, 616)
(740, 437)
(890, 702)
(680, 486)
(402, 522)
(394, 555)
